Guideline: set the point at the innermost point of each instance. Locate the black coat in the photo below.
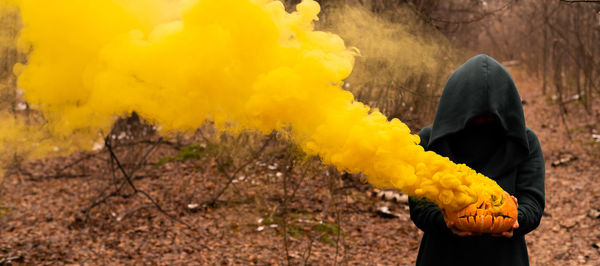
(514, 160)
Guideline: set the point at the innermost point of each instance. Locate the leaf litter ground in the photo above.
(328, 218)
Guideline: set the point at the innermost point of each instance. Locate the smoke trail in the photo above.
(247, 65)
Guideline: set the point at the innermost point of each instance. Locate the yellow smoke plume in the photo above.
(247, 65)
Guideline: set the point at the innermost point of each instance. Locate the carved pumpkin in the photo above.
(490, 214)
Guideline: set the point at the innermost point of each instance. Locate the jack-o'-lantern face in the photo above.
(490, 214)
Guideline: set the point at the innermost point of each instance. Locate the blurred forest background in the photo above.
(252, 199)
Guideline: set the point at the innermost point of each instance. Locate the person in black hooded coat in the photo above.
(480, 122)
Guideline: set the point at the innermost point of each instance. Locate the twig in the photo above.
(118, 186)
(105, 198)
(339, 228)
(231, 177)
(84, 158)
(298, 185)
(128, 181)
(562, 110)
(284, 206)
(293, 194)
(481, 16)
(334, 192)
(307, 253)
(284, 217)
(159, 141)
(59, 172)
(135, 189)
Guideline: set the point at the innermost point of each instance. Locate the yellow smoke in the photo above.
(243, 64)
(402, 62)
(390, 51)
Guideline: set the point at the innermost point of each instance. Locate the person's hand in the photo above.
(509, 233)
(457, 231)
(452, 226)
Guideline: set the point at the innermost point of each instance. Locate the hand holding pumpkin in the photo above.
(452, 226)
(509, 233)
(491, 214)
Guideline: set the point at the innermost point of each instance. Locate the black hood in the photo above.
(481, 86)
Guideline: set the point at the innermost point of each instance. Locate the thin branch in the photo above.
(118, 186)
(431, 20)
(284, 214)
(128, 180)
(231, 177)
(82, 159)
(159, 141)
(307, 252)
(59, 172)
(482, 16)
(299, 184)
(135, 189)
(284, 205)
(105, 198)
(563, 110)
(338, 221)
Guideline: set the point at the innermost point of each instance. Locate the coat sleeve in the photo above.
(425, 214)
(530, 190)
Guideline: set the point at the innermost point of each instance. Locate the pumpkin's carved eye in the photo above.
(497, 201)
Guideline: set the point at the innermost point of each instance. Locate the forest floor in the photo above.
(274, 209)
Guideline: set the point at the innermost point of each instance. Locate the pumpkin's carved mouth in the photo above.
(474, 217)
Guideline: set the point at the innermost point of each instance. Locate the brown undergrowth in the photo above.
(209, 198)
